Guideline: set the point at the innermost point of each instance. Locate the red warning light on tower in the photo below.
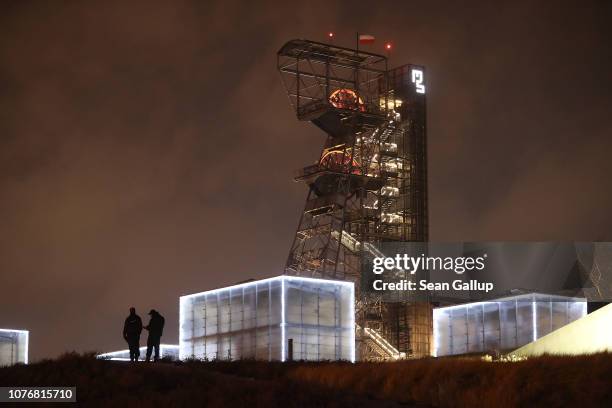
(330, 35)
(388, 46)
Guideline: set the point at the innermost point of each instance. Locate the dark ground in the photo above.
(546, 382)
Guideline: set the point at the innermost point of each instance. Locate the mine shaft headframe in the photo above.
(320, 77)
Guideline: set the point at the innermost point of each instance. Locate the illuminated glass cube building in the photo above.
(13, 347)
(165, 351)
(281, 318)
(502, 324)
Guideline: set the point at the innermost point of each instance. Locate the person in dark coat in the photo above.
(131, 333)
(155, 328)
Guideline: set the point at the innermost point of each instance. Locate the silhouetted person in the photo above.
(155, 328)
(131, 333)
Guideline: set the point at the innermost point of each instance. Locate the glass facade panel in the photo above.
(508, 330)
(474, 329)
(524, 321)
(261, 319)
(458, 330)
(502, 324)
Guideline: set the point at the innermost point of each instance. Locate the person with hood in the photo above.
(155, 328)
(131, 333)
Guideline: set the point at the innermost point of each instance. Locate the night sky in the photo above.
(147, 149)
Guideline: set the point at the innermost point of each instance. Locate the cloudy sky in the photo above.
(147, 148)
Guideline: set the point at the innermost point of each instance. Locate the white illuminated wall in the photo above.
(256, 320)
(165, 351)
(13, 347)
(502, 324)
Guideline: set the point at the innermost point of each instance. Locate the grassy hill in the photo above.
(546, 381)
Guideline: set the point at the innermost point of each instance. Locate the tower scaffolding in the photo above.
(369, 185)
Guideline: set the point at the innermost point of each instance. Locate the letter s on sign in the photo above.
(417, 80)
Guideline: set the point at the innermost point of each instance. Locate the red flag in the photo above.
(366, 39)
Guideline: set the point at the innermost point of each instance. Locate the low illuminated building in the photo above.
(502, 324)
(13, 347)
(280, 318)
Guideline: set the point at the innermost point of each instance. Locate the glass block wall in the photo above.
(13, 347)
(281, 318)
(165, 351)
(501, 324)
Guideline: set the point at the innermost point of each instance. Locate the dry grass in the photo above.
(165, 384)
(545, 382)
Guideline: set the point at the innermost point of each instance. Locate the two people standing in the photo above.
(132, 329)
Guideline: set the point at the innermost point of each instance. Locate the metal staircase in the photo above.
(377, 346)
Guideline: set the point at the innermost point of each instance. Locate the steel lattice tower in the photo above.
(369, 185)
